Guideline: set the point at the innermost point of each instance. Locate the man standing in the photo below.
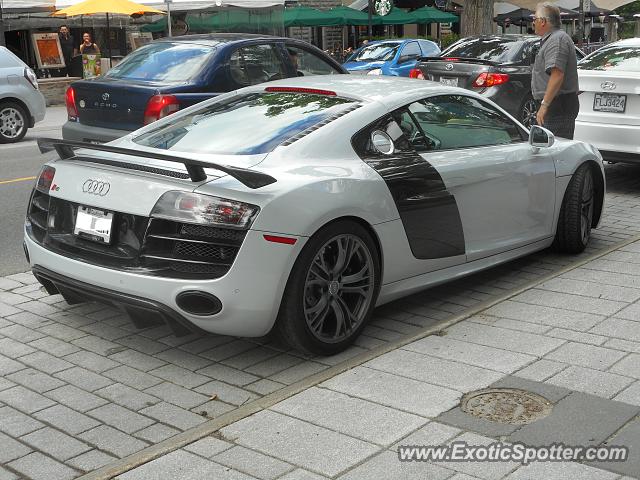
(68, 45)
(554, 82)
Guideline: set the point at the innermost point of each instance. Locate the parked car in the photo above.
(21, 103)
(173, 73)
(496, 66)
(390, 57)
(301, 204)
(609, 115)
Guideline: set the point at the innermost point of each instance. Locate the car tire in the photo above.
(576, 214)
(14, 122)
(528, 111)
(320, 313)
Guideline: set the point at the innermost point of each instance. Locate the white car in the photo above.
(301, 204)
(609, 117)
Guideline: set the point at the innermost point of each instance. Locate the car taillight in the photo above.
(159, 106)
(416, 73)
(490, 80)
(70, 100)
(45, 179)
(31, 77)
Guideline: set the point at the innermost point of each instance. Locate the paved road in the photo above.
(19, 164)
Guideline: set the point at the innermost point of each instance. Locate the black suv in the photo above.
(497, 66)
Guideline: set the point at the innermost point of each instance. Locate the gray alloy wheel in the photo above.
(13, 123)
(528, 112)
(586, 207)
(339, 288)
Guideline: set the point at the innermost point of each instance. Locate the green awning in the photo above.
(349, 16)
(302, 16)
(434, 15)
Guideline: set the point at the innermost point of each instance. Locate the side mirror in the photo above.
(541, 137)
(382, 142)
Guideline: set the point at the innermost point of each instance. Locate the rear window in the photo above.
(623, 59)
(164, 62)
(246, 125)
(492, 49)
(383, 51)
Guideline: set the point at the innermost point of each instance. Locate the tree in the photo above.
(477, 17)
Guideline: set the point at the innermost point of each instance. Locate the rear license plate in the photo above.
(609, 102)
(94, 224)
(452, 82)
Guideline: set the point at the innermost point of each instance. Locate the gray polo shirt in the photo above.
(556, 50)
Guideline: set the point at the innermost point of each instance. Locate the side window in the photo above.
(255, 64)
(308, 63)
(458, 121)
(411, 51)
(429, 49)
(364, 146)
(411, 131)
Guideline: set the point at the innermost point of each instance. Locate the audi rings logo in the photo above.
(96, 187)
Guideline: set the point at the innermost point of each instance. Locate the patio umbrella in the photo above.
(348, 16)
(433, 15)
(302, 16)
(90, 7)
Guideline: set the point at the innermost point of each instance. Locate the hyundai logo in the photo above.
(449, 66)
(608, 86)
(105, 96)
(96, 187)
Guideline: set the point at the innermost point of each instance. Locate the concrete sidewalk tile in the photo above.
(62, 332)
(227, 393)
(127, 396)
(138, 360)
(614, 343)
(595, 382)
(55, 347)
(205, 343)
(386, 465)
(181, 465)
(553, 393)
(603, 278)
(35, 380)
(250, 357)
(96, 344)
(144, 345)
(628, 436)
(13, 349)
(57, 444)
(180, 376)
(352, 416)
(91, 460)
(300, 474)
(560, 471)
(463, 476)
(30, 320)
(21, 333)
(424, 368)
(156, 433)
(121, 418)
(208, 447)
(26, 278)
(433, 433)
(39, 308)
(75, 398)
(16, 423)
(8, 366)
(591, 289)
(473, 354)
(630, 395)
(11, 449)
(91, 361)
(6, 384)
(113, 441)
(580, 337)
(274, 365)
(66, 419)
(253, 463)
(394, 391)
(612, 266)
(8, 284)
(578, 419)
(7, 475)
(84, 379)
(6, 309)
(13, 298)
(177, 395)
(298, 372)
(511, 324)
(183, 359)
(294, 441)
(24, 400)
(40, 467)
(228, 374)
(555, 317)
(583, 355)
(173, 416)
(213, 409)
(618, 327)
(629, 366)
(512, 340)
(541, 370)
(132, 377)
(103, 330)
(264, 386)
(625, 256)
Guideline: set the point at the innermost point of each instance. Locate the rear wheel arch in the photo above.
(21, 104)
(599, 181)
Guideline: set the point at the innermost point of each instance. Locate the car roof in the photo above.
(218, 38)
(508, 36)
(629, 42)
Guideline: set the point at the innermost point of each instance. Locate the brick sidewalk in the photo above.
(574, 340)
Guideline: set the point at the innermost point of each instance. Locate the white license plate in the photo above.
(609, 102)
(452, 82)
(94, 224)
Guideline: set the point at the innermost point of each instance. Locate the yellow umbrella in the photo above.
(122, 7)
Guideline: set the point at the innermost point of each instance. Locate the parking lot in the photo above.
(81, 387)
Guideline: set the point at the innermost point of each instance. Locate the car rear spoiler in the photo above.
(195, 168)
(458, 59)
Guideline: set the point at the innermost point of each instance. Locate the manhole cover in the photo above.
(506, 405)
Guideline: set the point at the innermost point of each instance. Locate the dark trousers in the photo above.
(561, 115)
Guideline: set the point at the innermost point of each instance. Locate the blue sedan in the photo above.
(390, 57)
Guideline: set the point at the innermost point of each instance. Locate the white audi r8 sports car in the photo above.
(299, 205)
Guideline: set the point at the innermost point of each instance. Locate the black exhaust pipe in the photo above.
(198, 303)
